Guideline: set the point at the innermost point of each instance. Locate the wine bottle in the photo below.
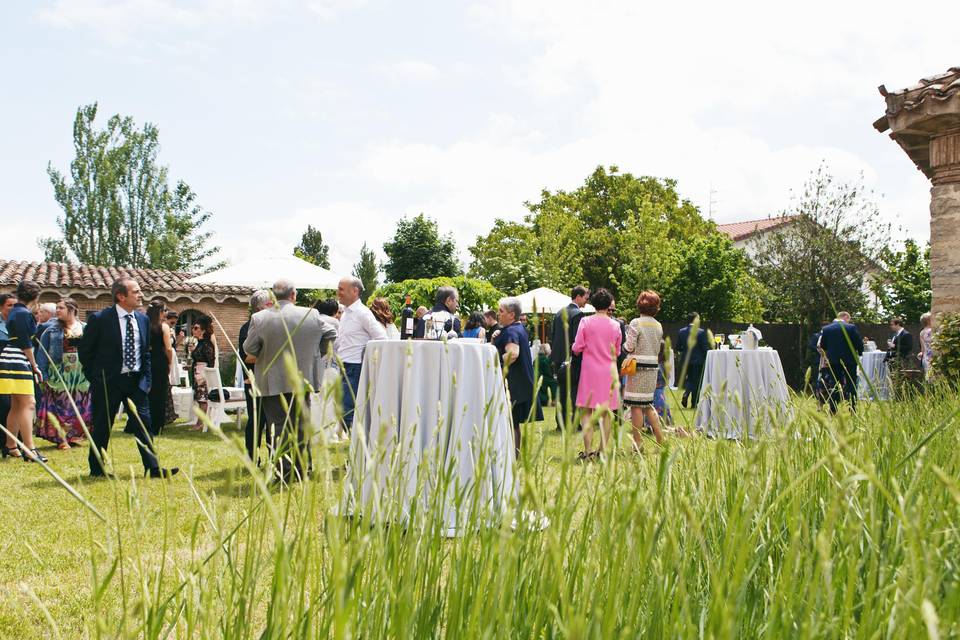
(406, 320)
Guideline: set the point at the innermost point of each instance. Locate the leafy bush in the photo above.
(475, 295)
(946, 347)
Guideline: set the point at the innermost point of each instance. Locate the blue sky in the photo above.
(348, 114)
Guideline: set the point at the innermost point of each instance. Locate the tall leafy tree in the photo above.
(312, 248)
(616, 230)
(367, 270)
(608, 215)
(713, 279)
(815, 263)
(417, 250)
(507, 258)
(181, 244)
(904, 288)
(118, 206)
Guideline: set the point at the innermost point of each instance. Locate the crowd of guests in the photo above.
(63, 380)
(838, 347)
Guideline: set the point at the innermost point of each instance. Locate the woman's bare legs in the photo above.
(606, 426)
(637, 414)
(586, 421)
(20, 420)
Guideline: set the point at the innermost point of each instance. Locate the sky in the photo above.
(350, 114)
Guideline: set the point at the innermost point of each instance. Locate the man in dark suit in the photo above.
(115, 355)
(692, 357)
(842, 344)
(567, 369)
(898, 356)
(901, 345)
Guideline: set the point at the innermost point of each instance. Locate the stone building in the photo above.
(89, 286)
(925, 121)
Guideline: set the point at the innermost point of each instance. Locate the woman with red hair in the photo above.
(644, 345)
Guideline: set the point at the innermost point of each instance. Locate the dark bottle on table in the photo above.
(406, 320)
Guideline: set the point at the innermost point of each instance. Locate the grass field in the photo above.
(843, 528)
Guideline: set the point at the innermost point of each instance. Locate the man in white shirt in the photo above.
(357, 328)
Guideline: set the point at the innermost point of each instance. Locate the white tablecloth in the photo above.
(743, 392)
(873, 381)
(426, 411)
(183, 403)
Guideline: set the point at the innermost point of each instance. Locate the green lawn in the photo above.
(831, 528)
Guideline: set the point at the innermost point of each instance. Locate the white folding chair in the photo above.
(217, 410)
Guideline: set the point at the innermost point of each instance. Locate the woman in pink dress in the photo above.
(598, 341)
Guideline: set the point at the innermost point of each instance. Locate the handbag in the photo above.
(629, 367)
(214, 395)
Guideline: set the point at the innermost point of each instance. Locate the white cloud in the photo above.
(345, 226)
(410, 70)
(117, 21)
(651, 88)
(329, 9)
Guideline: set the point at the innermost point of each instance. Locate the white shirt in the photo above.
(122, 315)
(358, 326)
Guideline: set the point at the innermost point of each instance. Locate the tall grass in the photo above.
(843, 528)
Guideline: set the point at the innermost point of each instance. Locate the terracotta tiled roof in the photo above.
(938, 88)
(56, 275)
(916, 114)
(743, 230)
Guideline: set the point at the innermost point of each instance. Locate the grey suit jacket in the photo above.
(286, 329)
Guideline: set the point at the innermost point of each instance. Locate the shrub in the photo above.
(946, 347)
(475, 295)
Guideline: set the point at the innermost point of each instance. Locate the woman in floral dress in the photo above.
(65, 394)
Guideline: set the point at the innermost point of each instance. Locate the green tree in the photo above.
(713, 279)
(118, 208)
(616, 231)
(312, 248)
(904, 288)
(367, 270)
(613, 212)
(419, 251)
(507, 258)
(814, 264)
(180, 244)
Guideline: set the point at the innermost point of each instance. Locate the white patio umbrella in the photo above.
(546, 300)
(262, 272)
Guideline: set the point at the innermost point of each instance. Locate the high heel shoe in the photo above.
(35, 457)
(10, 452)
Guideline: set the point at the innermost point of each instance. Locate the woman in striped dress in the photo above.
(644, 345)
(19, 373)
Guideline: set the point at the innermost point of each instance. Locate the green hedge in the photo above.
(475, 295)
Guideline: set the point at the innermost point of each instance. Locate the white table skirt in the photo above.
(425, 409)
(873, 381)
(183, 403)
(743, 392)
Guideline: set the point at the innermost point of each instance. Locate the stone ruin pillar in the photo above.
(925, 121)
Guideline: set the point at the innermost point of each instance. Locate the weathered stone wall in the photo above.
(945, 246)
